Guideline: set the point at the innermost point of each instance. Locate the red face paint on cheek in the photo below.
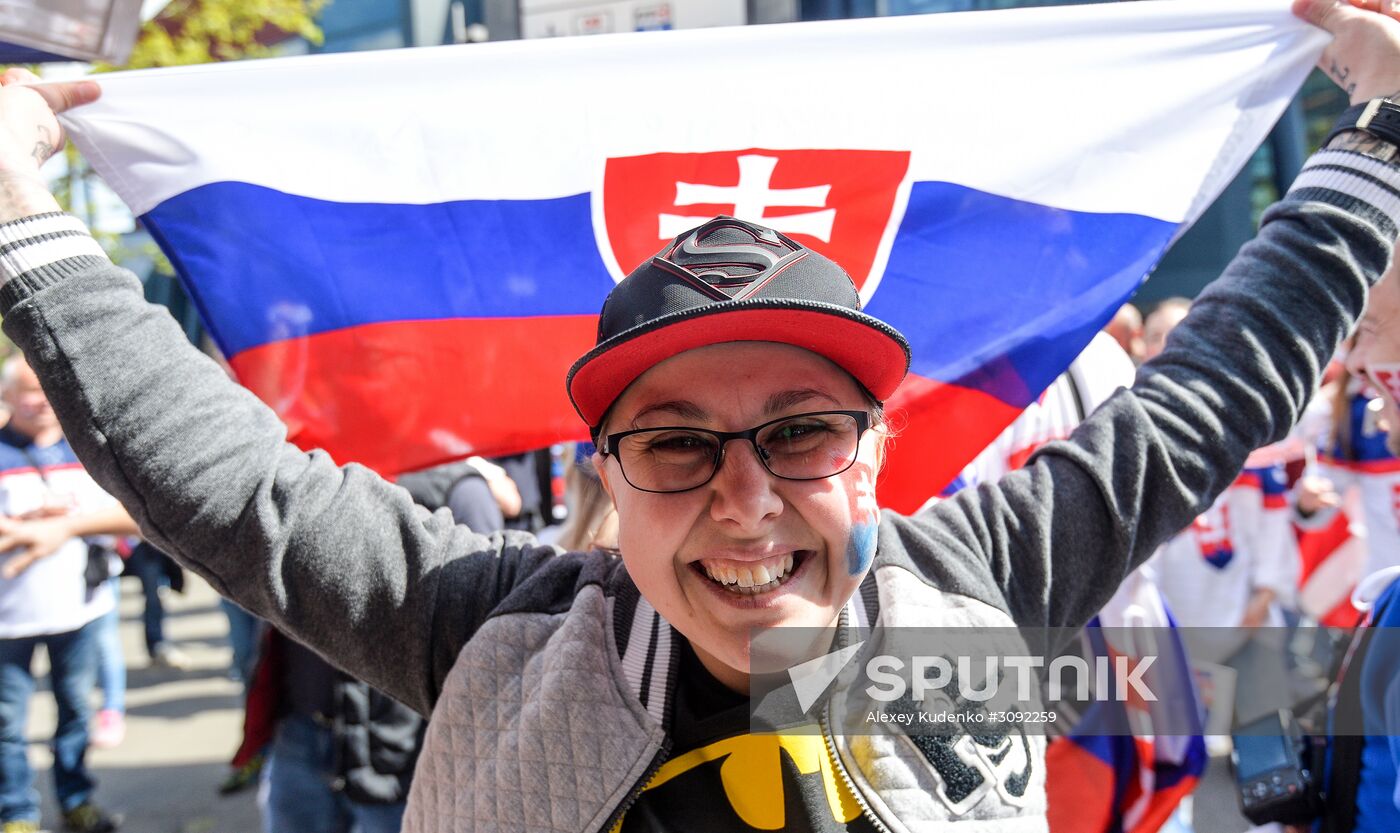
(860, 486)
(1386, 378)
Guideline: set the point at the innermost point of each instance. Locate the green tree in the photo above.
(202, 31)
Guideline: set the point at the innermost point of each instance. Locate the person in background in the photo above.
(591, 522)
(157, 571)
(244, 632)
(154, 570)
(1125, 327)
(109, 725)
(54, 592)
(278, 677)
(478, 493)
(340, 754)
(525, 511)
(1359, 466)
(1160, 322)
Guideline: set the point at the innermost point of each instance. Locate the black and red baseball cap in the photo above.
(729, 280)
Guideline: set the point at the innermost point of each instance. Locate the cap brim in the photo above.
(867, 348)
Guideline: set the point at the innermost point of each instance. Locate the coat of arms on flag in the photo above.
(843, 203)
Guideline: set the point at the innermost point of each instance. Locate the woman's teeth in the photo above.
(758, 577)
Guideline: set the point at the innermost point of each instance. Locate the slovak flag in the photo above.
(1103, 779)
(402, 252)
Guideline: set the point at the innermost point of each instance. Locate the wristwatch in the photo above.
(1371, 127)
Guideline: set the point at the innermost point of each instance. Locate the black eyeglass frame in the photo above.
(610, 443)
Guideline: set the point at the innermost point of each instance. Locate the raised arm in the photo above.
(334, 556)
(1062, 533)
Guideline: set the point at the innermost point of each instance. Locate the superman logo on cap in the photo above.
(728, 259)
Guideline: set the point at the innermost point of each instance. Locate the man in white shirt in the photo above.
(52, 593)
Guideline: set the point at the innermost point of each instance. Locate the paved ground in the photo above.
(182, 727)
(1216, 806)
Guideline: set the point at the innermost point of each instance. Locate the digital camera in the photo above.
(1278, 771)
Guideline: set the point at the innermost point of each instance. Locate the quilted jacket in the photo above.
(546, 676)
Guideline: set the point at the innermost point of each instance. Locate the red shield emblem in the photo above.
(840, 202)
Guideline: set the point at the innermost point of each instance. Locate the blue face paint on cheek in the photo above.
(865, 520)
(860, 547)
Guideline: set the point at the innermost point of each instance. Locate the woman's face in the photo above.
(814, 540)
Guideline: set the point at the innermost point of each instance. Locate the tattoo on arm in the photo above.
(1360, 141)
(23, 195)
(1339, 73)
(43, 148)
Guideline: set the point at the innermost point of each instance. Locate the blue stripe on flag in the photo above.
(265, 266)
(1013, 280)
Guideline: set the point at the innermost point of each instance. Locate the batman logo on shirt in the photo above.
(749, 782)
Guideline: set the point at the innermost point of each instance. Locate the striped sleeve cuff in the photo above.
(42, 250)
(41, 240)
(1354, 181)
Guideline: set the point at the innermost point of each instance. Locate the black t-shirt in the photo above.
(720, 777)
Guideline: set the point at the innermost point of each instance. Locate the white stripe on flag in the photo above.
(1121, 107)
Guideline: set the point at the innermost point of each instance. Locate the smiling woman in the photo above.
(741, 513)
(735, 392)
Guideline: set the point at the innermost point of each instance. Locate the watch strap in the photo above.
(1379, 117)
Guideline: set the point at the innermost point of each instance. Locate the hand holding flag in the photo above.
(27, 106)
(29, 135)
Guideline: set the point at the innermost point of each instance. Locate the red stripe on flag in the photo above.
(1079, 789)
(406, 395)
(939, 429)
(435, 394)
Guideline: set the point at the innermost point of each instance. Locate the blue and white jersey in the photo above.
(1366, 466)
(1242, 543)
(52, 595)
